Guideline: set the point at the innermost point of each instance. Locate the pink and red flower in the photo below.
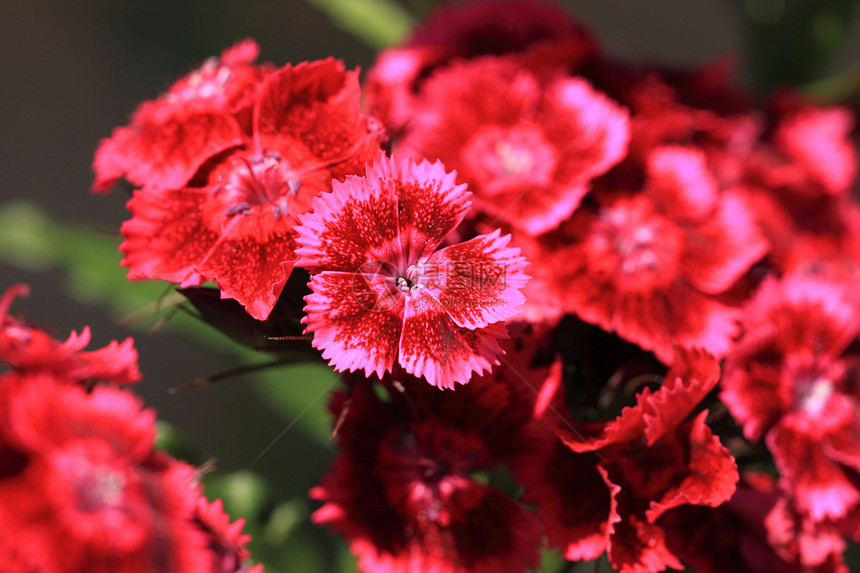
(791, 381)
(383, 294)
(651, 265)
(527, 150)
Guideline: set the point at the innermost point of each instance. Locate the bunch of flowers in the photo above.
(82, 486)
(576, 303)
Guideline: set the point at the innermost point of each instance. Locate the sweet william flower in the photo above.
(402, 490)
(170, 137)
(383, 294)
(233, 224)
(527, 150)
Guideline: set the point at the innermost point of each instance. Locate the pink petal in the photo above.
(680, 182)
(820, 486)
(356, 321)
(724, 247)
(354, 225)
(477, 282)
(434, 347)
(430, 203)
(820, 141)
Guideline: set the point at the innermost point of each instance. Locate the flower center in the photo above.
(257, 180)
(97, 487)
(635, 245)
(502, 158)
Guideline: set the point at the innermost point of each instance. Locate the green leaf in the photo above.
(379, 23)
(300, 392)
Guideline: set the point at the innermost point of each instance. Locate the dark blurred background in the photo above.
(71, 71)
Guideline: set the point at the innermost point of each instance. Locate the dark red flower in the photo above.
(631, 471)
(234, 224)
(756, 531)
(382, 293)
(527, 150)
(403, 491)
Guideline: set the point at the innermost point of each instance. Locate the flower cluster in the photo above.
(82, 487)
(633, 284)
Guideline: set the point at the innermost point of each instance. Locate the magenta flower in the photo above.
(381, 291)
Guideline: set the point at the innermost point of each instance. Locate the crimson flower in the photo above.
(233, 222)
(381, 291)
(403, 489)
(604, 486)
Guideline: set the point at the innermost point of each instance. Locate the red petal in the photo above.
(164, 146)
(590, 130)
(635, 546)
(356, 320)
(477, 282)
(310, 114)
(252, 259)
(710, 478)
(434, 347)
(166, 238)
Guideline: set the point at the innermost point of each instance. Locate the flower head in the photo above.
(234, 222)
(383, 293)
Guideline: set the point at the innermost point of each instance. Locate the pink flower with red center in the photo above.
(527, 150)
(233, 224)
(650, 266)
(403, 492)
(604, 487)
(791, 381)
(382, 293)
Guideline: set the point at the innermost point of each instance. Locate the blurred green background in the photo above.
(71, 71)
